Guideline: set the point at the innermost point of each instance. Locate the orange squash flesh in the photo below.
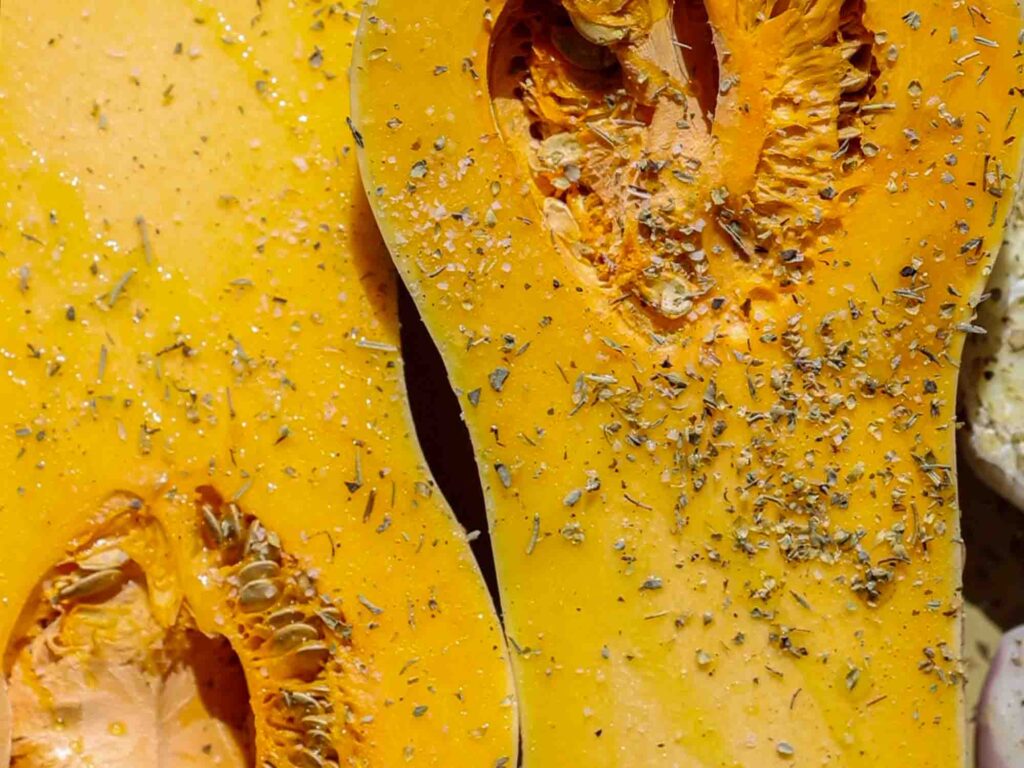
(705, 323)
(208, 459)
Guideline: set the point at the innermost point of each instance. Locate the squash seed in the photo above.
(258, 595)
(314, 722)
(261, 569)
(580, 51)
(284, 617)
(319, 740)
(96, 583)
(292, 636)
(307, 758)
(300, 700)
(231, 522)
(309, 659)
(212, 524)
(599, 34)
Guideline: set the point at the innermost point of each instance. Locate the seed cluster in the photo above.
(294, 637)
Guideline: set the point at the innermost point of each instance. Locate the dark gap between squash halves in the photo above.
(443, 435)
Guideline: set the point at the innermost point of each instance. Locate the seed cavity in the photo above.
(625, 123)
(136, 650)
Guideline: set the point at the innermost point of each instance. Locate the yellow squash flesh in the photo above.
(210, 479)
(705, 316)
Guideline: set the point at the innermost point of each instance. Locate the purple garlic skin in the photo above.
(1000, 734)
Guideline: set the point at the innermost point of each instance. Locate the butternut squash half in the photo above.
(222, 544)
(701, 273)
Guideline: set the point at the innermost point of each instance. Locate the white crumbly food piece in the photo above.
(992, 378)
(1000, 735)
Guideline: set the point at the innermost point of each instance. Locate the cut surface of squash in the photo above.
(222, 543)
(701, 274)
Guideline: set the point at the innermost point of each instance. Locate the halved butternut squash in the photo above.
(701, 274)
(222, 543)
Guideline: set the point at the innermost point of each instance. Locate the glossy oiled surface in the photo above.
(193, 292)
(769, 572)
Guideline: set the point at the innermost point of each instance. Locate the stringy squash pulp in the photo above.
(222, 545)
(701, 273)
